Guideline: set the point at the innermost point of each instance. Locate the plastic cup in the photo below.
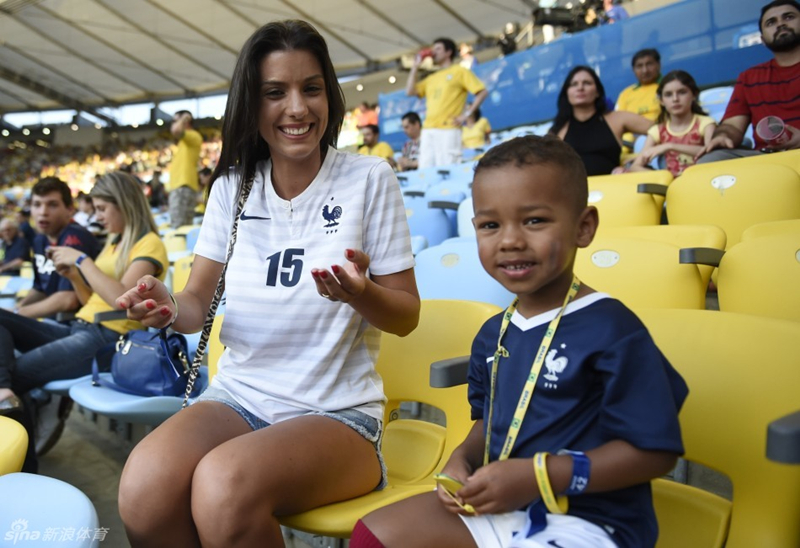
(772, 130)
(426, 52)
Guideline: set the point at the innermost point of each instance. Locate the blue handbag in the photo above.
(147, 364)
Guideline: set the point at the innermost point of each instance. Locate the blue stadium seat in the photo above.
(452, 270)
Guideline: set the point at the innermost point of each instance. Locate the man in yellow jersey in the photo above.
(445, 92)
(373, 146)
(641, 98)
(183, 184)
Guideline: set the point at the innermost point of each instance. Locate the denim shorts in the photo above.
(370, 428)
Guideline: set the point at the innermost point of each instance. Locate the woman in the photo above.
(582, 121)
(50, 350)
(322, 263)
(476, 130)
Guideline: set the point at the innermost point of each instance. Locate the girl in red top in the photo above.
(682, 129)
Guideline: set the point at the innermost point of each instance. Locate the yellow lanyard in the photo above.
(530, 384)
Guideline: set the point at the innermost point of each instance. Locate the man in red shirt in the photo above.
(768, 89)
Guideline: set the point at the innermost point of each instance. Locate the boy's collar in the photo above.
(526, 324)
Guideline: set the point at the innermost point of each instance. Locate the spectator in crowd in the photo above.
(583, 122)
(468, 60)
(373, 146)
(641, 98)
(367, 115)
(769, 89)
(52, 350)
(292, 420)
(412, 127)
(613, 12)
(51, 206)
(683, 127)
(24, 224)
(183, 183)
(476, 130)
(508, 40)
(158, 194)
(16, 249)
(445, 93)
(84, 213)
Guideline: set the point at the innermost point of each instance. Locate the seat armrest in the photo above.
(414, 193)
(783, 439)
(441, 204)
(65, 316)
(110, 315)
(651, 188)
(700, 255)
(450, 372)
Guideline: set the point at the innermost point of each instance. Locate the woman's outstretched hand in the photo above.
(346, 282)
(149, 303)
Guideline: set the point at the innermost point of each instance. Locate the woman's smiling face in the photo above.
(293, 114)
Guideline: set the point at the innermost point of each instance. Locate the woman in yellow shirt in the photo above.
(475, 132)
(51, 350)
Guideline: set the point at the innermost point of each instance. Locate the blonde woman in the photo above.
(51, 350)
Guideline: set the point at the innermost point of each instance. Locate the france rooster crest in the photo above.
(331, 216)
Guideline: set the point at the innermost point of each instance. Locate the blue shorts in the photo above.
(370, 428)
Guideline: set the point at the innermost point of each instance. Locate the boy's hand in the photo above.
(460, 470)
(501, 486)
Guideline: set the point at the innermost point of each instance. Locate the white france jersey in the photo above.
(290, 351)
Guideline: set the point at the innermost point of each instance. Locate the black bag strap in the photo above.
(244, 192)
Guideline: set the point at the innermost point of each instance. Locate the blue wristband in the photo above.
(581, 468)
(80, 259)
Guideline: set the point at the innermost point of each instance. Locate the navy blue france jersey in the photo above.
(603, 379)
(45, 277)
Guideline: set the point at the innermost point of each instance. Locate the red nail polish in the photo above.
(150, 305)
(350, 253)
(315, 273)
(335, 269)
(142, 286)
(323, 275)
(165, 311)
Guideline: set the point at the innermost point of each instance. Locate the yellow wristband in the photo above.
(556, 505)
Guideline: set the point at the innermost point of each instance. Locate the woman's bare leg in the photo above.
(155, 489)
(241, 486)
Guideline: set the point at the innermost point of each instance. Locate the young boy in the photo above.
(604, 388)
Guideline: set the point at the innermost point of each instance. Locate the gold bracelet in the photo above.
(556, 505)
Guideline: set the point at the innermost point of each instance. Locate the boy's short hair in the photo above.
(532, 150)
(449, 45)
(53, 184)
(373, 128)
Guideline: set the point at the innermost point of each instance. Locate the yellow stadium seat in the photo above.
(769, 229)
(414, 450)
(625, 203)
(761, 276)
(13, 445)
(656, 177)
(742, 375)
(215, 347)
(790, 158)
(174, 242)
(696, 237)
(641, 273)
(734, 196)
(180, 275)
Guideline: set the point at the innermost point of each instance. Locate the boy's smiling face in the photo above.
(529, 227)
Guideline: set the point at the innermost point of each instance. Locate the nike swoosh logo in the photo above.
(554, 543)
(246, 217)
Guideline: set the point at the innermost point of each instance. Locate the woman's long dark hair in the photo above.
(686, 79)
(242, 144)
(565, 109)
